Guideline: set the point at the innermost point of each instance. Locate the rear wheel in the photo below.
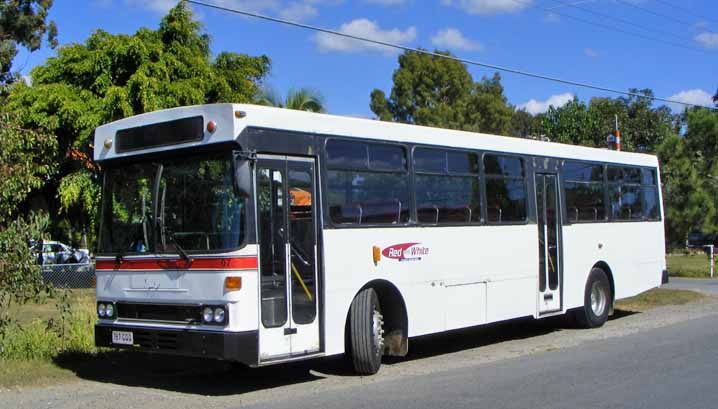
(597, 300)
(366, 327)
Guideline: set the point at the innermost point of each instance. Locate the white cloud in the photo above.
(452, 38)
(489, 7)
(708, 39)
(386, 2)
(363, 28)
(552, 18)
(590, 52)
(692, 96)
(297, 11)
(534, 107)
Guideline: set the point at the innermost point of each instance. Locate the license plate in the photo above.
(122, 338)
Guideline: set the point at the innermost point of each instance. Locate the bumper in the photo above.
(664, 277)
(231, 346)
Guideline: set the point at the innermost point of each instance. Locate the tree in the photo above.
(23, 23)
(112, 76)
(715, 98)
(302, 99)
(571, 123)
(434, 91)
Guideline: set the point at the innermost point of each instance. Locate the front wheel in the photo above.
(366, 332)
(597, 301)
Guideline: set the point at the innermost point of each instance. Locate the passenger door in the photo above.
(548, 218)
(287, 234)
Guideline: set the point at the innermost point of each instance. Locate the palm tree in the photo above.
(302, 99)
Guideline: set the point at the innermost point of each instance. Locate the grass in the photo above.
(41, 333)
(658, 297)
(692, 265)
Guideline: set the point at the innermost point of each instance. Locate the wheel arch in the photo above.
(396, 318)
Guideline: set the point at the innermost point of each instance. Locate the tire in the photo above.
(597, 301)
(366, 332)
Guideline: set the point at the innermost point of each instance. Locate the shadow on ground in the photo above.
(216, 378)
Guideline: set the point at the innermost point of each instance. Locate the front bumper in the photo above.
(231, 346)
(664, 277)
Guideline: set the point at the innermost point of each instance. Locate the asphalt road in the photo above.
(704, 285)
(670, 367)
(662, 358)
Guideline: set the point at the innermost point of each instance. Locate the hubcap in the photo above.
(598, 299)
(378, 331)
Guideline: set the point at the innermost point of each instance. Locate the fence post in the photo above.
(712, 247)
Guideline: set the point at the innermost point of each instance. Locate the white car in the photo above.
(54, 252)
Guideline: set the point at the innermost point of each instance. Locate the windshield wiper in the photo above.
(182, 253)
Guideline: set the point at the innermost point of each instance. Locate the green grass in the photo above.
(41, 334)
(695, 265)
(658, 297)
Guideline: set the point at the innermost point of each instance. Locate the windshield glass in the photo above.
(196, 207)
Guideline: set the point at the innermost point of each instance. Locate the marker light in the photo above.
(233, 283)
(239, 114)
(108, 143)
(211, 126)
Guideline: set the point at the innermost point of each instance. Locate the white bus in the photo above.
(262, 235)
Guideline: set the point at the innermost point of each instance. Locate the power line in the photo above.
(577, 5)
(686, 10)
(613, 28)
(435, 54)
(649, 11)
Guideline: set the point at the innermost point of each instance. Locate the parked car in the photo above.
(700, 239)
(54, 252)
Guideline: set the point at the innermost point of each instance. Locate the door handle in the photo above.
(290, 331)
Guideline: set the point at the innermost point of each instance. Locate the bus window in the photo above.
(583, 184)
(443, 197)
(505, 189)
(649, 187)
(624, 193)
(374, 190)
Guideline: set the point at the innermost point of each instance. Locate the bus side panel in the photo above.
(449, 277)
(634, 251)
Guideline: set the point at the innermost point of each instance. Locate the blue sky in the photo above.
(542, 36)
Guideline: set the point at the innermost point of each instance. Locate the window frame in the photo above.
(604, 187)
(525, 171)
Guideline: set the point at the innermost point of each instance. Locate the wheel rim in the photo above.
(598, 299)
(377, 329)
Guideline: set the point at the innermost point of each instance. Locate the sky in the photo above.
(669, 46)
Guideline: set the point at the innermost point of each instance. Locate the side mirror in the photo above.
(243, 177)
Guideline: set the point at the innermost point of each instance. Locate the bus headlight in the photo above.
(101, 310)
(109, 310)
(207, 315)
(219, 315)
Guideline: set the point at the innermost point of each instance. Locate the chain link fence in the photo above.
(69, 275)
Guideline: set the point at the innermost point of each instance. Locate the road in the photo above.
(704, 285)
(663, 358)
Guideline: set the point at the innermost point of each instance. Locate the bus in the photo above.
(262, 235)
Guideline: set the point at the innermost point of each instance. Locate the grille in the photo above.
(155, 339)
(159, 312)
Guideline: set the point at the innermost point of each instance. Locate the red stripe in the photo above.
(228, 263)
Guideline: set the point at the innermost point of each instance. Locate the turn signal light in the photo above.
(233, 283)
(211, 126)
(376, 255)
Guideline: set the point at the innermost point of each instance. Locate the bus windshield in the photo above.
(188, 204)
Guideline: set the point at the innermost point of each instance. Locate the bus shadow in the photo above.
(181, 374)
(215, 378)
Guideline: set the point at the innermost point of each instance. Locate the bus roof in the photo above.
(232, 119)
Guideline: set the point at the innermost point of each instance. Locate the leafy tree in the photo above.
(302, 99)
(434, 91)
(572, 123)
(715, 98)
(111, 76)
(23, 23)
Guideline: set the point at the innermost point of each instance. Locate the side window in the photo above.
(649, 194)
(505, 189)
(368, 183)
(583, 184)
(447, 186)
(624, 193)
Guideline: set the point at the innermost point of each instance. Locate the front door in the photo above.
(287, 234)
(548, 212)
